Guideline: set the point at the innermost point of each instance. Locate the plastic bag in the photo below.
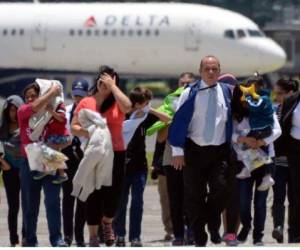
(43, 158)
(252, 158)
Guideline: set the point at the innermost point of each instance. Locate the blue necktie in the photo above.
(210, 117)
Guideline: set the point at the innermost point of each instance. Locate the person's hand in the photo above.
(49, 108)
(108, 80)
(55, 89)
(260, 143)
(249, 141)
(4, 165)
(178, 162)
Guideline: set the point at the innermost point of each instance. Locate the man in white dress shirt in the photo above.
(206, 150)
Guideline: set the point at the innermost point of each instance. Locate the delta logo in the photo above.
(90, 22)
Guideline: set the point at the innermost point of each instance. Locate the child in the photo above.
(134, 132)
(261, 123)
(56, 136)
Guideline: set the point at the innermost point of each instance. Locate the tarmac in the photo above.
(152, 227)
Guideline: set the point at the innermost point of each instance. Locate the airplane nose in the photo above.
(273, 57)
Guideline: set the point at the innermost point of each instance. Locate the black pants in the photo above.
(176, 198)
(205, 166)
(281, 191)
(68, 203)
(232, 195)
(11, 181)
(105, 202)
(294, 175)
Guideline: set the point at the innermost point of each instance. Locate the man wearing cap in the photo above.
(80, 89)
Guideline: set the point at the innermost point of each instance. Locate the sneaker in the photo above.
(277, 234)
(245, 173)
(94, 242)
(230, 240)
(136, 243)
(258, 243)
(178, 242)
(243, 235)
(60, 179)
(40, 175)
(108, 234)
(267, 182)
(120, 241)
(215, 237)
(61, 243)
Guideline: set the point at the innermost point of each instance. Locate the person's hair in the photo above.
(33, 86)
(209, 56)
(288, 85)
(5, 121)
(110, 100)
(239, 111)
(256, 79)
(188, 74)
(140, 95)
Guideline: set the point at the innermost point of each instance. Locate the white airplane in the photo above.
(146, 39)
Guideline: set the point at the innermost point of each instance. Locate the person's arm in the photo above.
(274, 136)
(4, 164)
(44, 100)
(160, 115)
(177, 152)
(56, 115)
(76, 128)
(121, 99)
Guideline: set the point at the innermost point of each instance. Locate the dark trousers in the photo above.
(280, 189)
(52, 204)
(176, 197)
(11, 180)
(232, 196)
(260, 204)
(68, 203)
(294, 175)
(105, 202)
(205, 166)
(136, 184)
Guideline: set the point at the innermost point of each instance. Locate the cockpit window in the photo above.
(241, 33)
(255, 33)
(229, 34)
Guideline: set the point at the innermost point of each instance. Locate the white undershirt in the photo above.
(295, 131)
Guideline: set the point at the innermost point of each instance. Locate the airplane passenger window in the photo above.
(241, 33)
(139, 32)
(105, 32)
(5, 32)
(97, 32)
(122, 32)
(88, 32)
(72, 32)
(21, 32)
(130, 32)
(13, 32)
(79, 32)
(113, 32)
(255, 33)
(156, 32)
(148, 32)
(229, 34)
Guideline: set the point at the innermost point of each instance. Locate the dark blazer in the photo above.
(288, 107)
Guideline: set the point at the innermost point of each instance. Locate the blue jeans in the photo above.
(32, 190)
(136, 182)
(260, 202)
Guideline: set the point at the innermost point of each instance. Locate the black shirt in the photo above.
(136, 160)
